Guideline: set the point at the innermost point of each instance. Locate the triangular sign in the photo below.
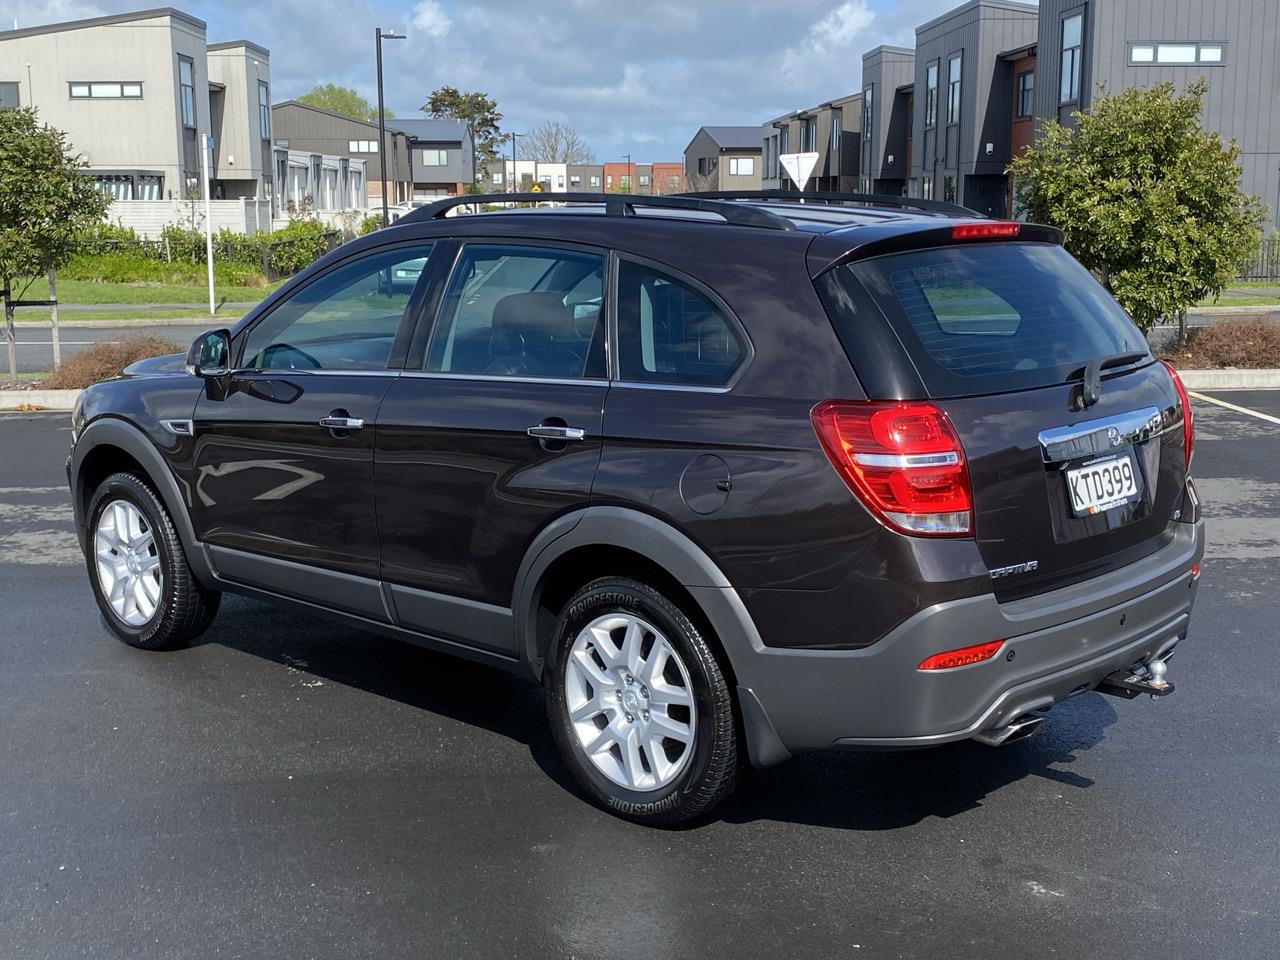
(799, 166)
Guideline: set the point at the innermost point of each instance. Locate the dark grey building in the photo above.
(440, 156)
(1233, 44)
(300, 126)
(961, 131)
(888, 102)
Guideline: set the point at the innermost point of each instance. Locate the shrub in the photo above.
(1252, 342)
(105, 360)
(370, 223)
(129, 266)
(296, 246)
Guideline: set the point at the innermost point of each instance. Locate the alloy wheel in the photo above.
(128, 563)
(630, 702)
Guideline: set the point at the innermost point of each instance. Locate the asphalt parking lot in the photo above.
(288, 788)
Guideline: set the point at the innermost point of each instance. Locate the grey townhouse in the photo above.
(724, 158)
(831, 129)
(944, 119)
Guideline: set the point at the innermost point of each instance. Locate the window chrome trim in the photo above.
(499, 378)
(308, 372)
(676, 387)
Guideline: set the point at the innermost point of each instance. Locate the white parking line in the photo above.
(1231, 406)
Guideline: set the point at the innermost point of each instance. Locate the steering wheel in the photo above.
(283, 355)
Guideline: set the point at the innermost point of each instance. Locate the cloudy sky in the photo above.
(631, 77)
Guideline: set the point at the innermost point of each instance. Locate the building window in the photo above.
(497, 178)
(673, 180)
(953, 89)
(625, 181)
(595, 181)
(107, 91)
(150, 187)
(608, 181)
(187, 90)
(1026, 93)
(1175, 54)
(574, 180)
(742, 166)
(835, 131)
(264, 109)
(784, 140)
(362, 146)
(560, 180)
(867, 114)
(9, 96)
(931, 94)
(115, 186)
(644, 180)
(949, 187)
(435, 158)
(926, 187)
(1072, 33)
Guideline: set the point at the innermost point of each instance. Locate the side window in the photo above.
(521, 311)
(670, 333)
(345, 320)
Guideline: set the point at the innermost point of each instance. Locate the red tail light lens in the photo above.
(1188, 418)
(998, 229)
(903, 460)
(962, 657)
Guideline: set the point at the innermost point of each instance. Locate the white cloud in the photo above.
(430, 18)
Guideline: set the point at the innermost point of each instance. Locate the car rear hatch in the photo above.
(1071, 430)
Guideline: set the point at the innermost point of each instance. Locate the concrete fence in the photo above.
(150, 217)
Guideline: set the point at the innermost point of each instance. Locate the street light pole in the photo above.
(379, 36)
(631, 180)
(515, 177)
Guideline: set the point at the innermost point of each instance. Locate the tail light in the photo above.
(903, 460)
(1188, 418)
(962, 657)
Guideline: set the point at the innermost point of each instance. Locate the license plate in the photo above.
(1102, 484)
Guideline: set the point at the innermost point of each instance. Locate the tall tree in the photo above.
(46, 203)
(344, 100)
(553, 142)
(482, 116)
(1146, 199)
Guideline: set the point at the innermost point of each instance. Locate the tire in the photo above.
(612, 713)
(169, 607)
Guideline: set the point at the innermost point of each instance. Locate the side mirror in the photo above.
(210, 354)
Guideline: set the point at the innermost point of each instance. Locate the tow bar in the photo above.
(1148, 678)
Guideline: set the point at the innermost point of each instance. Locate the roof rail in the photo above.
(615, 205)
(828, 196)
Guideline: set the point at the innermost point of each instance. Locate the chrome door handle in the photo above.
(342, 423)
(546, 432)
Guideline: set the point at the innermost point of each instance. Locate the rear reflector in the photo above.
(903, 460)
(1195, 571)
(1188, 418)
(985, 231)
(962, 657)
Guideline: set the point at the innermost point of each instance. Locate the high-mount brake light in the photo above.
(1188, 418)
(962, 657)
(999, 229)
(903, 460)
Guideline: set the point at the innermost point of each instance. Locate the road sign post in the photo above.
(206, 145)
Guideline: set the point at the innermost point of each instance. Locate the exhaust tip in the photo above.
(1019, 729)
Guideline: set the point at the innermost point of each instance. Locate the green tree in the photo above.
(1146, 199)
(482, 116)
(46, 204)
(343, 100)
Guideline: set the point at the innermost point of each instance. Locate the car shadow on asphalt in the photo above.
(848, 790)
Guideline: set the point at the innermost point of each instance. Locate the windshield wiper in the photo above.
(1091, 389)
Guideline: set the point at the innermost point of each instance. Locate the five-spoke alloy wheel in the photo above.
(639, 705)
(145, 589)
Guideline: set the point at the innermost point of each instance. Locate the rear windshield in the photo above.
(985, 318)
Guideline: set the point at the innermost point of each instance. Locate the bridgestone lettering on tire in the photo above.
(639, 706)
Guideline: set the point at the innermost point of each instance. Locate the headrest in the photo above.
(540, 313)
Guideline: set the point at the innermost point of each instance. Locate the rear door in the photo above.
(1000, 335)
(496, 434)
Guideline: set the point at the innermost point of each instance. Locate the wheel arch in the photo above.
(110, 445)
(584, 545)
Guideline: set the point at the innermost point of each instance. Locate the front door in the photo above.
(498, 434)
(283, 463)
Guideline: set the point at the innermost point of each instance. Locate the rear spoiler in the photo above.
(955, 232)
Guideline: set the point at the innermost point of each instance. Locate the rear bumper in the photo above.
(1057, 644)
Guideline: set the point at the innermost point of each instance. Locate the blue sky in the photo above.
(630, 77)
